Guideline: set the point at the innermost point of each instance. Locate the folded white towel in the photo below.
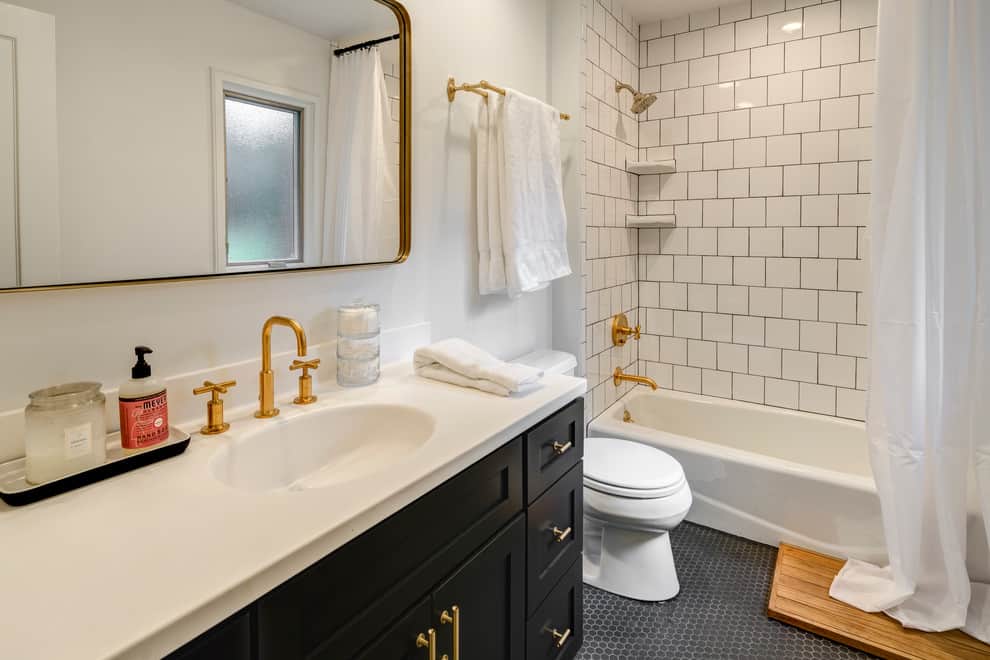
(491, 263)
(533, 219)
(461, 363)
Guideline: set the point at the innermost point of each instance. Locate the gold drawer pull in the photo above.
(561, 637)
(561, 534)
(559, 447)
(445, 617)
(429, 641)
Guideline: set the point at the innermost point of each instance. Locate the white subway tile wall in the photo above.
(758, 292)
(613, 52)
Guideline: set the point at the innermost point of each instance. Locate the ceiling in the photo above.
(340, 21)
(647, 11)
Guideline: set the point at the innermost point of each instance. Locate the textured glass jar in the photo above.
(65, 431)
(358, 345)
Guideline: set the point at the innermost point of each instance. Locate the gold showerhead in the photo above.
(640, 101)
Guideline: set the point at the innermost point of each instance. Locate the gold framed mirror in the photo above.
(147, 141)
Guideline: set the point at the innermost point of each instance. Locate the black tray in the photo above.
(16, 491)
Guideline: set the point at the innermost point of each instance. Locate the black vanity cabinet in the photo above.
(487, 566)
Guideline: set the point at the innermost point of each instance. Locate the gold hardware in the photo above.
(428, 641)
(306, 395)
(266, 379)
(621, 330)
(445, 617)
(478, 88)
(561, 534)
(618, 377)
(560, 448)
(626, 417)
(561, 637)
(214, 407)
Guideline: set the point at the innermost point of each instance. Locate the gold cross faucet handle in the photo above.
(621, 330)
(214, 407)
(305, 365)
(306, 395)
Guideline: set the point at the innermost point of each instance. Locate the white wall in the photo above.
(758, 293)
(611, 54)
(136, 132)
(53, 337)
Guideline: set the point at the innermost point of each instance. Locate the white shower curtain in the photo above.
(361, 203)
(928, 416)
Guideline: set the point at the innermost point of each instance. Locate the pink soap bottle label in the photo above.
(143, 421)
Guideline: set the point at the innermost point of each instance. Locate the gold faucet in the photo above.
(621, 332)
(266, 379)
(618, 377)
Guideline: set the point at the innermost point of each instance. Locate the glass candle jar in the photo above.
(65, 431)
(358, 344)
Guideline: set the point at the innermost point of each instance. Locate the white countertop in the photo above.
(139, 564)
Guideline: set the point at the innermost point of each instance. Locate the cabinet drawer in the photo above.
(556, 527)
(340, 604)
(553, 447)
(554, 632)
(230, 639)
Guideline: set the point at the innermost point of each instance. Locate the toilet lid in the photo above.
(630, 469)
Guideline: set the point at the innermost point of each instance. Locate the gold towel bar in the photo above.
(478, 88)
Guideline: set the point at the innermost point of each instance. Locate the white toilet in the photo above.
(634, 495)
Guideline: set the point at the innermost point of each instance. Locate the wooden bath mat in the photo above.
(799, 596)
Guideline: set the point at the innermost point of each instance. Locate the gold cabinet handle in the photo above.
(429, 641)
(561, 447)
(560, 637)
(445, 617)
(561, 534)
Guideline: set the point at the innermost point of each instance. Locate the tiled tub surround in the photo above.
(611, 136)
(757, 294)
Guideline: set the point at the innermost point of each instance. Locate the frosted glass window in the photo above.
(263, 219)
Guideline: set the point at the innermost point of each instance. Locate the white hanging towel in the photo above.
(533, 219)
(491, 263)
(460, 363)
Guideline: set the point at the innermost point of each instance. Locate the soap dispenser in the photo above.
(143, 406)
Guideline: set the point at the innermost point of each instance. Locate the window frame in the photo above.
(299, 220)
(310, 133)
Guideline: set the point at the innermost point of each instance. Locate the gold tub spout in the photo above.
(618, 377)
(266, 379)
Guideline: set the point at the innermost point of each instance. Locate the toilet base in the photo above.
(630, 563)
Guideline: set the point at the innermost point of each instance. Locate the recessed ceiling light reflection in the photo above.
(791, 27)
(744, 104)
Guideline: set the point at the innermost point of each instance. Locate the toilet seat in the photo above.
(632, 470)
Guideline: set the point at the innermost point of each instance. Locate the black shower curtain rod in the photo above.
(364, 44)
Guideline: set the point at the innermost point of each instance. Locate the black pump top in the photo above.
(142, 369)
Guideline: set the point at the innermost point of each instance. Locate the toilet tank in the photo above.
(551, 362)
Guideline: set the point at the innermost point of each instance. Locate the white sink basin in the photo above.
(322, 448)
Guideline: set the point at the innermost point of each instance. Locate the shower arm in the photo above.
(619, 86)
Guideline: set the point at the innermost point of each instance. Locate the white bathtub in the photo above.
(766, 474)
(773, 475)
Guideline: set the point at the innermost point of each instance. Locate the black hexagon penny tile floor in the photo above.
(720, 613)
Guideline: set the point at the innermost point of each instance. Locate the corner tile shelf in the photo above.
(650, 166)
(650, 220)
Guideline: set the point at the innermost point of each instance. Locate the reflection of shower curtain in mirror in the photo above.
(361, 211)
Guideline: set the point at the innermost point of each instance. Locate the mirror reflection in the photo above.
(145, 139)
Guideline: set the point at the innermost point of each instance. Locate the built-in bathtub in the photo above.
(766, 474)
(771, 475)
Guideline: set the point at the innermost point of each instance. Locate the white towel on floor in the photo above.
(491, 263)
(461, 363)
(533, 219)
